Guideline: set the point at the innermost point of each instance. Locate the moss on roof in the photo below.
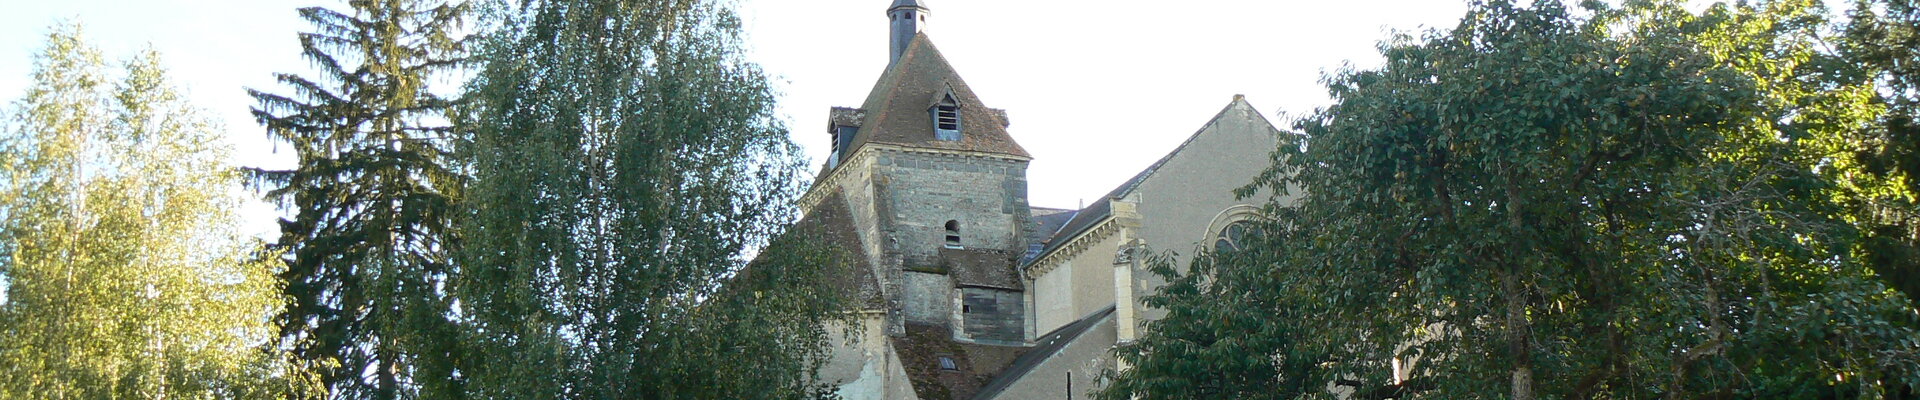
(896, 109)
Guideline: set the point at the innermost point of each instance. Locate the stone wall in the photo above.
(1081, 285)
(987, 197)
(1192, 189)
(1052, 301)
(924, 299)
(863, 363)
(916, 194)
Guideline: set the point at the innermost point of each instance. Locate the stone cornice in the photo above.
(1079, 244)
(834, 178)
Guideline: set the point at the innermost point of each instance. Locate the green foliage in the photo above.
(125, 275)
(625, 159)
(1883, 187)
(371, 198)
(1218, 340)
(1624, 202)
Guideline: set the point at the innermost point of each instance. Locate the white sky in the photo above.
(1096, 90)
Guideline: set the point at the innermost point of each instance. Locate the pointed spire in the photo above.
(906, 19)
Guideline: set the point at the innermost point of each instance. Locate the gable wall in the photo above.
(1179, 201)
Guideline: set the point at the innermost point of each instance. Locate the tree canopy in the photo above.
(1623, 201)
(626, 163)
(124, 272)
(371, 197)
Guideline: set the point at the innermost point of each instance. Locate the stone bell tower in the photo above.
(926, 187)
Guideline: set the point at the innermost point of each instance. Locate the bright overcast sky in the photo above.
(1096, 90)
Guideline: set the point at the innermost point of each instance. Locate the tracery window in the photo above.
(1234, 237)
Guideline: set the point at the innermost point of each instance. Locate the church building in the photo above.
(968, 292)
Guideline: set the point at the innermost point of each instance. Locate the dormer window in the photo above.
(842, 141)
(953, 234)
(946, 117)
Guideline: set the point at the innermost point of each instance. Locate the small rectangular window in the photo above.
(946, 364)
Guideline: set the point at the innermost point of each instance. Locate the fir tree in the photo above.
(371, 196)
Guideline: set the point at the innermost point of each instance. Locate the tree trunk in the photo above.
(1517, 336)
(1517, 327)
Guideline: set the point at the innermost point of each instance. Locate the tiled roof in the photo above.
(922, 346)
(831, 224)
(1043, 348)
(1047, 221)
(896, 109)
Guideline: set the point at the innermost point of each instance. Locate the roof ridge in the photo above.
(1101, 210)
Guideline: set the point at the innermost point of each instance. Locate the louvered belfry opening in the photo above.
(949, 117)
(946, 119)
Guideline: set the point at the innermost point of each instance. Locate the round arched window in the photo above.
(953, 234)
(1234, 237)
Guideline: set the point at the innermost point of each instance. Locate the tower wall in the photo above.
(921, 192)
(987, 196)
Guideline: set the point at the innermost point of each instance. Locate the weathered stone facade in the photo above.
(971, 292)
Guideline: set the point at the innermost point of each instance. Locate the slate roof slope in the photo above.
(831, 223)
(896, 109)
(1043, 348)
(1101, 209)
(1046, 221)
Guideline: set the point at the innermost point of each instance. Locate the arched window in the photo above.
(1233, 229)
(1235, 236)
(953, 234)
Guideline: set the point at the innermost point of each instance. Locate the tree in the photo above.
(625, 163)
(1631, 203)
(1882, 39)
(371, 198)
(125, 275)
(1218, 340)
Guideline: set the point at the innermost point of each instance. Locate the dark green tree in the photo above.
(1624, 202)
(625, 163)
(1219, 339)
(371, 196)
(1883, 38)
